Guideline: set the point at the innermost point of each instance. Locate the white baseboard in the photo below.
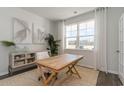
(3, 73)
(88, 66)
(114, 72)
(102, 69)
(121, 78)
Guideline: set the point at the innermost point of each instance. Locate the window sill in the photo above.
(79, 49)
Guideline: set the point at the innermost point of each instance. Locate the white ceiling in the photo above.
(58, 13)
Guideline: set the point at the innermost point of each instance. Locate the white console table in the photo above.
(21, 60)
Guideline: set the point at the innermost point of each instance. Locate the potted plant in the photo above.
(8, 43)
(53, 45)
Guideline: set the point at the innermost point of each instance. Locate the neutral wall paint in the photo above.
(87, 61)
(54, 29)
(80, 18)
(6, 15)
(114, 15)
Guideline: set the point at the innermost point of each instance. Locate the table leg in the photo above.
(70, 69)
(77, 72)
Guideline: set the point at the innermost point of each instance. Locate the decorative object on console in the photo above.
(22, 31)
(53, 45)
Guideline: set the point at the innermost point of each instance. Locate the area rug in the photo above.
(30, 78)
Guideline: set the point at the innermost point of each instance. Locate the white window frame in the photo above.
(78, 37)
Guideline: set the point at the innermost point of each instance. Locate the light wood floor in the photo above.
(102, 80)
(30, 78)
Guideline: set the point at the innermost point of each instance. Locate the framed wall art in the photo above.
(22, 31)
(39, 34)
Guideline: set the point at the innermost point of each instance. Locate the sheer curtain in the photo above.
(100, 39)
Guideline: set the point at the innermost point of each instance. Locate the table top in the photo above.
(59, 62)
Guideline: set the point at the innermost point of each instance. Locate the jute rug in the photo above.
(30, 78)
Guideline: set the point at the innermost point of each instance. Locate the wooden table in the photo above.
(57, 63)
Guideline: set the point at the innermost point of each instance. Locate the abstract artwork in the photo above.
(22, 31)
(39, 34)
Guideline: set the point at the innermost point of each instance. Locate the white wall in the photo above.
(80, 18)
(114, 15)
(54, 29)
(87, 61)
(6, 15)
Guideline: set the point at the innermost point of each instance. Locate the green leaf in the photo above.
(8, 43)
(53, 45)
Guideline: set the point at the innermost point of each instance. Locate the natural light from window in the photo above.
(80, 35)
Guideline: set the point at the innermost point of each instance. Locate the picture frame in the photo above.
(22, 31)
(39, 34)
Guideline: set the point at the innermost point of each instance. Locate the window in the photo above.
(80, 35)
(71, 36)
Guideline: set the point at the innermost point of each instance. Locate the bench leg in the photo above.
(50, 78)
